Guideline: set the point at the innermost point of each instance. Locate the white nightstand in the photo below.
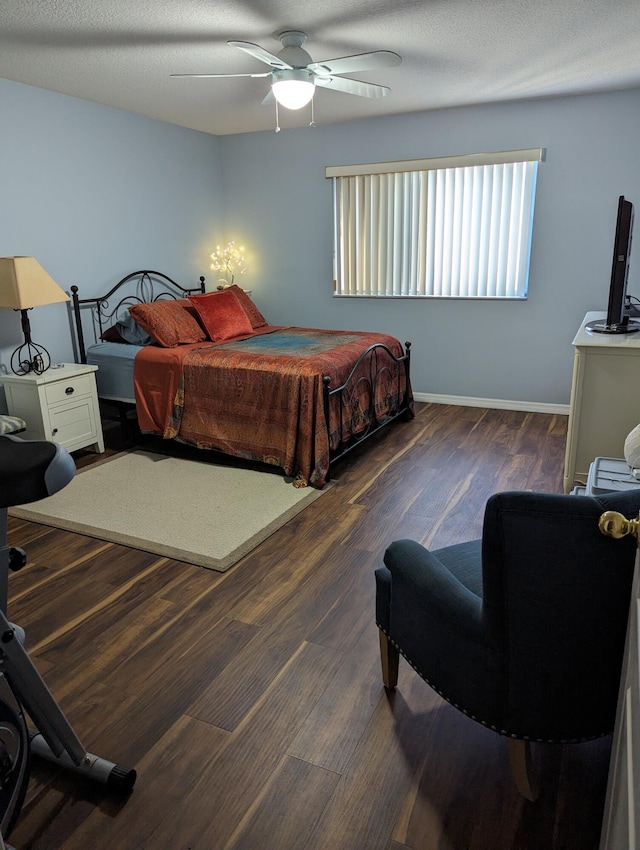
(61, 405)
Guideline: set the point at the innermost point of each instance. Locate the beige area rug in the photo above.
(200, 512)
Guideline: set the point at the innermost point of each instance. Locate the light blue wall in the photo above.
(95, 193)
(279, 203)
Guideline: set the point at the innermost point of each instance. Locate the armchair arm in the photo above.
(437, 622)
(421, 582)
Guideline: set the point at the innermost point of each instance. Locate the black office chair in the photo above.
(522, 630)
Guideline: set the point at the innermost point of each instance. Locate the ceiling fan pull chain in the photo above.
(312, 123)
(277, 118)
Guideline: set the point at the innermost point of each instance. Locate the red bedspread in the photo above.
(261, 397)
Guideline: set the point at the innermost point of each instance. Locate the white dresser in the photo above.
(605, 398)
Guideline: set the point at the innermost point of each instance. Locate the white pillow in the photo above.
(632, 448)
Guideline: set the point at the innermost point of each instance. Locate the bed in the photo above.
(208, 370)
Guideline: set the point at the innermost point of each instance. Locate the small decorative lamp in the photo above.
(24, 284)
(229, 260)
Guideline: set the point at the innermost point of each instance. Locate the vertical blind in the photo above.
(455, 227)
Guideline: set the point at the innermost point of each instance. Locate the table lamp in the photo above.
(24, 284)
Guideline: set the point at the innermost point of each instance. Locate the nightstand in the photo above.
(61, 405)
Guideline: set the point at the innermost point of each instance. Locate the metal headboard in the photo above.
(141, 287)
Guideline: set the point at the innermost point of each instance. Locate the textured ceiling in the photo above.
(454, 52)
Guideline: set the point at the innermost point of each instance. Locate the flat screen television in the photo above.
(617, 320)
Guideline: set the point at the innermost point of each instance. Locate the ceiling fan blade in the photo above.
(269, 98)
(359, 62)
(222, 76)
(260, 53)
(352, 86)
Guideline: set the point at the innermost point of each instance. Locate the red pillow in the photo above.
(171, 322)
(221, 314)
(255, 316)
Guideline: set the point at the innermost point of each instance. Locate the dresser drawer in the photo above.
(79, 385)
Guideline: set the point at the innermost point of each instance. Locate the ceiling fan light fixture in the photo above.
(294, 88)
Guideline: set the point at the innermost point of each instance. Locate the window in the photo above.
(455, 227)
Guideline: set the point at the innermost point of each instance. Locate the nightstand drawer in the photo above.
(79, 385)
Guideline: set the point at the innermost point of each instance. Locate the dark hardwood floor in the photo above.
(251, 702)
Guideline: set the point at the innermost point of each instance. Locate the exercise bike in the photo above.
(31, 470)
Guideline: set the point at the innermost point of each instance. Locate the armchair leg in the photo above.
(389, 658)
(521, 769)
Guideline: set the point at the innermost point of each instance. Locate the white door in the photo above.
(621, 823)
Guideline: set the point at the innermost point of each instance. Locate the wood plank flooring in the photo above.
(251, 702)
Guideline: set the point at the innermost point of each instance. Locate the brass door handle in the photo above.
(614, 524)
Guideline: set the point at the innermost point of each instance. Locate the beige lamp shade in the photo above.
(25, 284)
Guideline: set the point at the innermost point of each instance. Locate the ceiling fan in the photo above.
(294, 75)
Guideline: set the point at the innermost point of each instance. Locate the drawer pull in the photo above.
(54, 432)
(69, 391)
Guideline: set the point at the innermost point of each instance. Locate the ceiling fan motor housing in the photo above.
(292, 52)
(297, 74)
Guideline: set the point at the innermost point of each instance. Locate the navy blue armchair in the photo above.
(522, 630)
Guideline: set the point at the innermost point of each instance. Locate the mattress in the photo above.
(115, 369)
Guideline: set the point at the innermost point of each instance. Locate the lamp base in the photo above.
(29, 357)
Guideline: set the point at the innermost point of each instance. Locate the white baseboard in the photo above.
(496, 403)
